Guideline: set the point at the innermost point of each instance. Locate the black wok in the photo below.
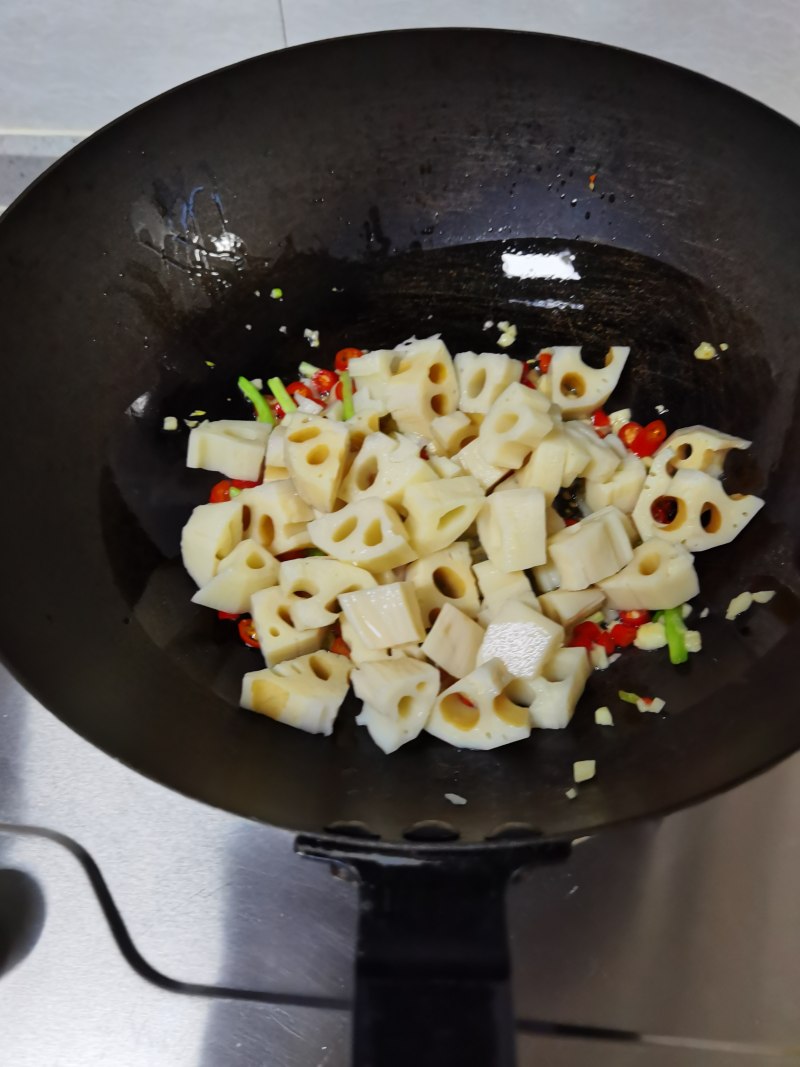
(377, 181)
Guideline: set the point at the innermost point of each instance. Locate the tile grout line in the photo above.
(283, 24)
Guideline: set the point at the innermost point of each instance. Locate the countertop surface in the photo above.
(142, 929)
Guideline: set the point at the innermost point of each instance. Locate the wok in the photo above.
(378, 181)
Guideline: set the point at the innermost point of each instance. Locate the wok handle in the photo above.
(432, 970)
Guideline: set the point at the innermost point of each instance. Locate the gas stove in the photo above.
(140, 928)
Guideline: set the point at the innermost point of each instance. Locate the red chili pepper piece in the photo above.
(220, 492)
(649, 438)
(227, 615)
(525, 377)
(299, 389)
(636, 617)
(545, 359)
(601, 423)
(275, 407)
(664, 510)
(588, 630)
(628, 433)
(571, 522)
(325, 380)
(340, 647)
(623, 635)
(247, 632)
(580, 642)
(465, 700)
(342, 358)
(606, 641)
(338, 391)
(646, 700)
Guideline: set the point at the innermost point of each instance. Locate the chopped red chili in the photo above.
(228, 615)
(545, 359)
(623, 634)
(222, 491)
(299, 389)
(325, 380)
(649, 438)
(342, 358)
(247, 632)
(340, 647)
(635, 617)
(338, 391)
(601, 422)
(628, 433)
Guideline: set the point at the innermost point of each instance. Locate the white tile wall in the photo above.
(752, 46)
(68, 66)
(76, 64)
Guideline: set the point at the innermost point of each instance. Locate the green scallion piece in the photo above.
(348, 411)
(629, 698)
(676, 635)
(307, 370)
(314, 552)
(278, 390)
(249, 391)
(233, 491)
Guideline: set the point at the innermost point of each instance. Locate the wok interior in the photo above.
(382, 211)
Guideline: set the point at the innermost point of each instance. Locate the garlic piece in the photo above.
(305, 693)
(398, 695)
(583, 770)
(234, 447)
(521, 638)
(248, 568)
(650, 636)
(453, 642)
(738, 606)
(385, 616)
(579, 389)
